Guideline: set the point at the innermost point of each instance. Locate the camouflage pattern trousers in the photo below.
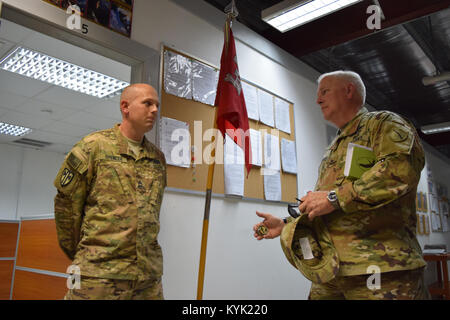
(396, 285)
(112, 289)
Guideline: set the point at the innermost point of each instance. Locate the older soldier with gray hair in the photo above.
(110, 189)
(353, 226)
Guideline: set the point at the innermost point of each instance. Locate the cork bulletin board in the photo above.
(195, 177)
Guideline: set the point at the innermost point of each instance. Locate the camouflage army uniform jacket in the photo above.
(377, 221)
(107, 207)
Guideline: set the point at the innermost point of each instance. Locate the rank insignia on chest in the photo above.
(66, 177)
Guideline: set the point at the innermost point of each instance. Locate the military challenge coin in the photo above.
(262, 230)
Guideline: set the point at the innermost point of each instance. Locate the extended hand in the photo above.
(316, 204)
(274, 225)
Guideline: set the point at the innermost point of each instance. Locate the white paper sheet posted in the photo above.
(272, 185)
(271, 152)
(204, 83)
(255, 140)
(233, 168)
(177, 75)
(288, 156)
(251, 100)
(282, 115)
(266, 107)
(175, 142)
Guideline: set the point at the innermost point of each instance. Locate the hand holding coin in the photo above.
(269, 228)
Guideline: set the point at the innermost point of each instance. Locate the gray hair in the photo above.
(351, 77)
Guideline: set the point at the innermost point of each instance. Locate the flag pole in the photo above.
(232, 13)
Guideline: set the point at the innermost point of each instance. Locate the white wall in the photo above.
(10, 173)
(27, 182)
(237, 266)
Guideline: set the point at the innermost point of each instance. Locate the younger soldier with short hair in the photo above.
(110, 189)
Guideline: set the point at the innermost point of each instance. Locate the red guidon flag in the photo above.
(232, 113)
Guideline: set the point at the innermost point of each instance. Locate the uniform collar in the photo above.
(147, 149)
(351, 127)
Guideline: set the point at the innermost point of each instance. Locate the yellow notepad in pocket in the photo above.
(359, 159)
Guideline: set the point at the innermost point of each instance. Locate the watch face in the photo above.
(332, 196)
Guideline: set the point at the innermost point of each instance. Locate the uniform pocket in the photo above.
(112, 186)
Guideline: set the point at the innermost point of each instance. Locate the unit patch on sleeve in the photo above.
(66, 177)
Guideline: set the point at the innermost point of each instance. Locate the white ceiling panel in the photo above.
(52, 138)
(89, 120)
(54, 112)
(67, 98)
(21, 85)
(59, 148)
(7, 139)
(2, 112)
(11, 100)
(5, 48)
(111, 68)
(13, 32)
(110, 109)
(68, 129)
(26, 120)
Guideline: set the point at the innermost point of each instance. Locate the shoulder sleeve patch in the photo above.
(395, 138)
(73, 161)
(398, 134)
(66, 177)
(76, 163)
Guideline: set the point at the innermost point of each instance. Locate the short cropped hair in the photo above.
(351, 77)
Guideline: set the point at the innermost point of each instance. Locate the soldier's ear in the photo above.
(350, 90)
(124, 107)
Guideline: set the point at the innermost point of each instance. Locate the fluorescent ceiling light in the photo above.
(436, 128)
(42, 67)
(290, 14)
(13, 130)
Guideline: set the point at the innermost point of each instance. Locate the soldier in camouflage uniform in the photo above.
(372, 219)
(110, 188)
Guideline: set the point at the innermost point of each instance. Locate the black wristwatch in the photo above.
(287, 219)
(332, 197)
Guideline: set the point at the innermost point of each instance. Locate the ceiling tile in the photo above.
(112, 68)
(6, 139)
(59, 148)
(52, 137)
(11, 100)
(89, 120)
(21, 85)
(26, 120)
(110, 109)
(54, 112)
(13, 32)
(67, 129)
(2, 112)
(5, 48)
(67, 98)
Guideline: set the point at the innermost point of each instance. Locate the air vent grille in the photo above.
(33, 143)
